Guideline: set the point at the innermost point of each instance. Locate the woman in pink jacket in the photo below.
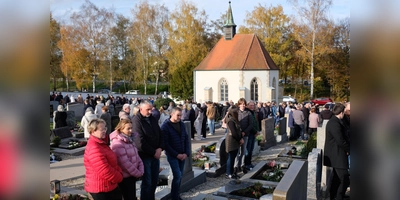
(313, 120)
(128, 158)
(102, 170)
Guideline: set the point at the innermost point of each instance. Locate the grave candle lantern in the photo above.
(55, 186)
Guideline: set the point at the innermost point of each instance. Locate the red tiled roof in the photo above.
(243, 52)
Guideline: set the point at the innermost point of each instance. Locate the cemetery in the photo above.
(283, 169)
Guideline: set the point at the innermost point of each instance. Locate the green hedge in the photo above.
(162, 101)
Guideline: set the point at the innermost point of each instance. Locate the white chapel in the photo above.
(238, 66)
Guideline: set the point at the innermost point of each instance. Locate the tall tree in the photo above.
(311, 15)
(55, 53)
(75, 61)
(186, 31)
(122, 55)
(337, 62)
(91, 26)
(148, 40)
(272, 27)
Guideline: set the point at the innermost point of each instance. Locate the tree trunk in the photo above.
(94, 84)
(157, 77)
(54, 83)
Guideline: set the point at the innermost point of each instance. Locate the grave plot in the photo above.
(267, 172)
(238, 189)
(66, 142)
(211, 158)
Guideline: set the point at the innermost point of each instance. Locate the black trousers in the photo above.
(112, 195)
(203, 127)
(128, 188)
(339, 184)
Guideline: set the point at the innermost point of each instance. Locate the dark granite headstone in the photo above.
(63, 132)
(188, 170)
(220, 152)
(71, 121)
(282, 130)
(267, 131)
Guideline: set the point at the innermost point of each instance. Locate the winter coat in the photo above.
(60, 119)
(164, 116)
(198, 122)
(326, 114)
(246, 121)
(155, 113)
(314, 120)
(211, 112)
(107, 118)
(127, 155)
(85, 122)
(102, 171)
(150, 137)
(175, 143)
(232, 140)
(298, 117)
(123, 115)
(291, 120)
(336, 145)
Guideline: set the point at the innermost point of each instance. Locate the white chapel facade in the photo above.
(238, 66)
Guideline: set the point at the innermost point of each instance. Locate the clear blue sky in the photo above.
(62, 9)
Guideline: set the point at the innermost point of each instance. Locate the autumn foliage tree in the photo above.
(55, 53)
(89, 28)
(186, 32)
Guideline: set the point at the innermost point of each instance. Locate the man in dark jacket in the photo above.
(150, 144)
(326, 113)
(337, 148)
(177, 148)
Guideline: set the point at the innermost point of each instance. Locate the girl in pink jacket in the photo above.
(128, 158)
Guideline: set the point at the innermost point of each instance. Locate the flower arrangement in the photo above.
(254, 191)
(72, 144)
(199, 158)
(275, 173)
(209, 149)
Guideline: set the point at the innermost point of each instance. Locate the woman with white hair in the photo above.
(89, 116)
(110, 107)
(125, 112)
(60, 117)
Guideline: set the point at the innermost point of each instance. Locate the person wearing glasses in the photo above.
(102, 170)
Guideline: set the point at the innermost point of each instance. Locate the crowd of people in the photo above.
(116, 159)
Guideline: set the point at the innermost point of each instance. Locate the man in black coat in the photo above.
(336, 150)
(150, 144)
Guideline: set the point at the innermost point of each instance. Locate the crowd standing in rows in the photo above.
(114, 162)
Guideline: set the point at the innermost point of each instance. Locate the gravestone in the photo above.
(326, 171)
(282, 134)
(293, 185)
(267, 131)
(77, 108)
(71, 121)
(63, 132)
(314, 174)
(220, 159)
(187, 169)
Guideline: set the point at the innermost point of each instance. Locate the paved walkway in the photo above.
(74, 168)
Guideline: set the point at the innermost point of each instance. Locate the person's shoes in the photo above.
(230, 176)
(244, 170)
(235, 176)
(197, 139)
(203, 138)
(249, 167)
(210, 134)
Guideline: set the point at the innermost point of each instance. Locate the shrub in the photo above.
(162, 101)
(56, 141)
